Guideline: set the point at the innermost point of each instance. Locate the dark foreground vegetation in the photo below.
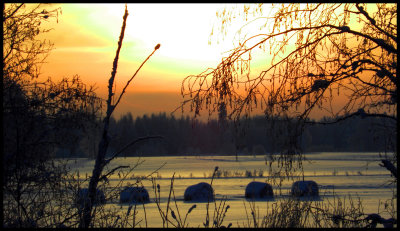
(46, 119)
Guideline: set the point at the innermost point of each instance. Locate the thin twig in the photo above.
(357, 113)
(389, 166)
(145, 216)
(157, 200)
(169, 197)
(130, 144)
(127, 84)
(110, 107)
(177, 210)
(104, 177)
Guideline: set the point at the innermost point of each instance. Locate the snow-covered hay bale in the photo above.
(134, 195)
(258, 190)
(305, 188)
(82, 197)
(201, 192)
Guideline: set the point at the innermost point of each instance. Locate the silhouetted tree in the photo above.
(38, 116)
(317, 52)
(100, 160)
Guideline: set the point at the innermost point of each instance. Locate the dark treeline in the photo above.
(185, 136)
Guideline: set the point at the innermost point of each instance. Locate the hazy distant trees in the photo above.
(315, 53)
(186, 136)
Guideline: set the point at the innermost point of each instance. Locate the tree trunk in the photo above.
(94, 180)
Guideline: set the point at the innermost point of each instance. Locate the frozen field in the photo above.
(342, 174)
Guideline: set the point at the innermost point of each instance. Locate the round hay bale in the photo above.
(201, 192)
(82, 197)
(134, 195)
(258, 190)
(305, 188)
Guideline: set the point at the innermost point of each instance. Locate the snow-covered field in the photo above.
(342, 174)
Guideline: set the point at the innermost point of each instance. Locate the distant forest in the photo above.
(251, 136)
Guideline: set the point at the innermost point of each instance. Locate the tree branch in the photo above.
(110, 107)
(379, 42)
(129, 145)
(104, 177)
(103, 145)
(10, 15)
(360, 112)
(127, 84)
(373, 22)
(389, 166)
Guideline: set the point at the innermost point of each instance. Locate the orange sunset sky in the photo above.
(85, 41)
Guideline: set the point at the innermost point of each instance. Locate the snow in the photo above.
(337, 174)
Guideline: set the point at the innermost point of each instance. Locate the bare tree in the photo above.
(35, 114)
(101, 161)
(318, 53)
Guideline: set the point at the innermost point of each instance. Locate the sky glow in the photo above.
(86, 35)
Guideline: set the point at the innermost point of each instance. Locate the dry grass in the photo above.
(332, 212)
